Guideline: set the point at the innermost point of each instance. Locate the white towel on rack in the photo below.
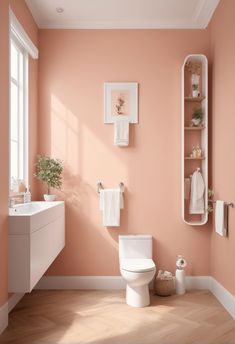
(197, 203)
(121, 131)
(121, 199)
(111, 201)
(221, 218)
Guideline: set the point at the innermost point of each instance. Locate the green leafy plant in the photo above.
(210, 201)
(49, 171)
(195, 87)
(197, 113)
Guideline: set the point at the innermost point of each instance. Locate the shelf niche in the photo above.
(191, 136)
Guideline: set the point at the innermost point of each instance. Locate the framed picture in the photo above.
(120, 100)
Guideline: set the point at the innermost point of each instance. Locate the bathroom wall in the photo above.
(22, 13)
(4, 77)
(222, 53)
(74, 64)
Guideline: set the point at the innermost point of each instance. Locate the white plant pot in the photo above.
(180, 282)
(49, 198)
(195, 93)
(196, 121)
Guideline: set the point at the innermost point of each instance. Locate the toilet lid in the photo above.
(137, 265)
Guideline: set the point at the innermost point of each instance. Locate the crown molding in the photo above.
(86, 25)
(204, 12)
(200, 18)
(17, 30)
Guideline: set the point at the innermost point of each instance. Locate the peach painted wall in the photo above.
(24, 16)
(4, 101)
(222, 30)
(74, 64)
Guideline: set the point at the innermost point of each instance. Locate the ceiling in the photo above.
(122, 14)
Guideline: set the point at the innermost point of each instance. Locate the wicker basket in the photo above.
(164, 287)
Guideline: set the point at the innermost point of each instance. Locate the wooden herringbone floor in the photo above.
(102, 317)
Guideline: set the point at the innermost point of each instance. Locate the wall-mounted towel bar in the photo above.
(228, 204)
(100, 186)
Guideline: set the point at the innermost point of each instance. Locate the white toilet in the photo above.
(136, 267)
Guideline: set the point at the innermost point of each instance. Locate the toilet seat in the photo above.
(137, 265)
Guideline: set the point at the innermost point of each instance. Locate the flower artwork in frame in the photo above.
(120, 100)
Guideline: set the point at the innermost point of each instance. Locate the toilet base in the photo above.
(137, 296)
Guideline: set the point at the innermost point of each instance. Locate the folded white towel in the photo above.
(197, 203)
(221, 218)
(111, 201)
(121, 131)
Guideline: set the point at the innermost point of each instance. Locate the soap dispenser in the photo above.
(27, 195)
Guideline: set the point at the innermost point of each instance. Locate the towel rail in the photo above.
(100, 187)
(228, 204)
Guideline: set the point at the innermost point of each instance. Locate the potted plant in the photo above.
(197, 116)
(195, 90)
(49, 171)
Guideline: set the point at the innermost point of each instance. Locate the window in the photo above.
(21, 47)
(18, 114)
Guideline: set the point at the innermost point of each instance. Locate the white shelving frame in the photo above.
(204, 134)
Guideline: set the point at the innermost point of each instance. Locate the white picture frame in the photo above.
(120, 99)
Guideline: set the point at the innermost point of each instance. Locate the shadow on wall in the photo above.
(93, 247)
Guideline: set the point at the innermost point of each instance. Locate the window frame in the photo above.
(23, 96)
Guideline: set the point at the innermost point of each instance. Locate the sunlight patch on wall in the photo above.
(99, 161)
(64, 135)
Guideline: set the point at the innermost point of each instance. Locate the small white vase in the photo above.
(196, 121)
(49, 198)
(195, 93)
(179, 282)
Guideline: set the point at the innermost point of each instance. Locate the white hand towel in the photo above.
(221, 217)
(102, 200)
(121, 131)
(110, 203)
(197, 203)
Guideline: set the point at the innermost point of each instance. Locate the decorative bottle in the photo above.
(27, 195)
(199, 152)
(194, 152)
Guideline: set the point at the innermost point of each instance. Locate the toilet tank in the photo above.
(135, 246)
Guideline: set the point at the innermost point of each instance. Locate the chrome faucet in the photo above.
(11, 202)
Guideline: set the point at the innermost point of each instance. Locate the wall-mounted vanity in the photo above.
(36, 237)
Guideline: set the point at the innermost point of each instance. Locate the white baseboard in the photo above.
(13, 300)
(6, 308)
(197, 282)
(106, 282)
(81, 282)
(117, 282)
(223, 296)
(3, 317)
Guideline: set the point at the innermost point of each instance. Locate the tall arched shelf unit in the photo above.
(192, 136)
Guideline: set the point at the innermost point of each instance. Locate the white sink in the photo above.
(32, 208)
(36, 236)
(28, 217)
